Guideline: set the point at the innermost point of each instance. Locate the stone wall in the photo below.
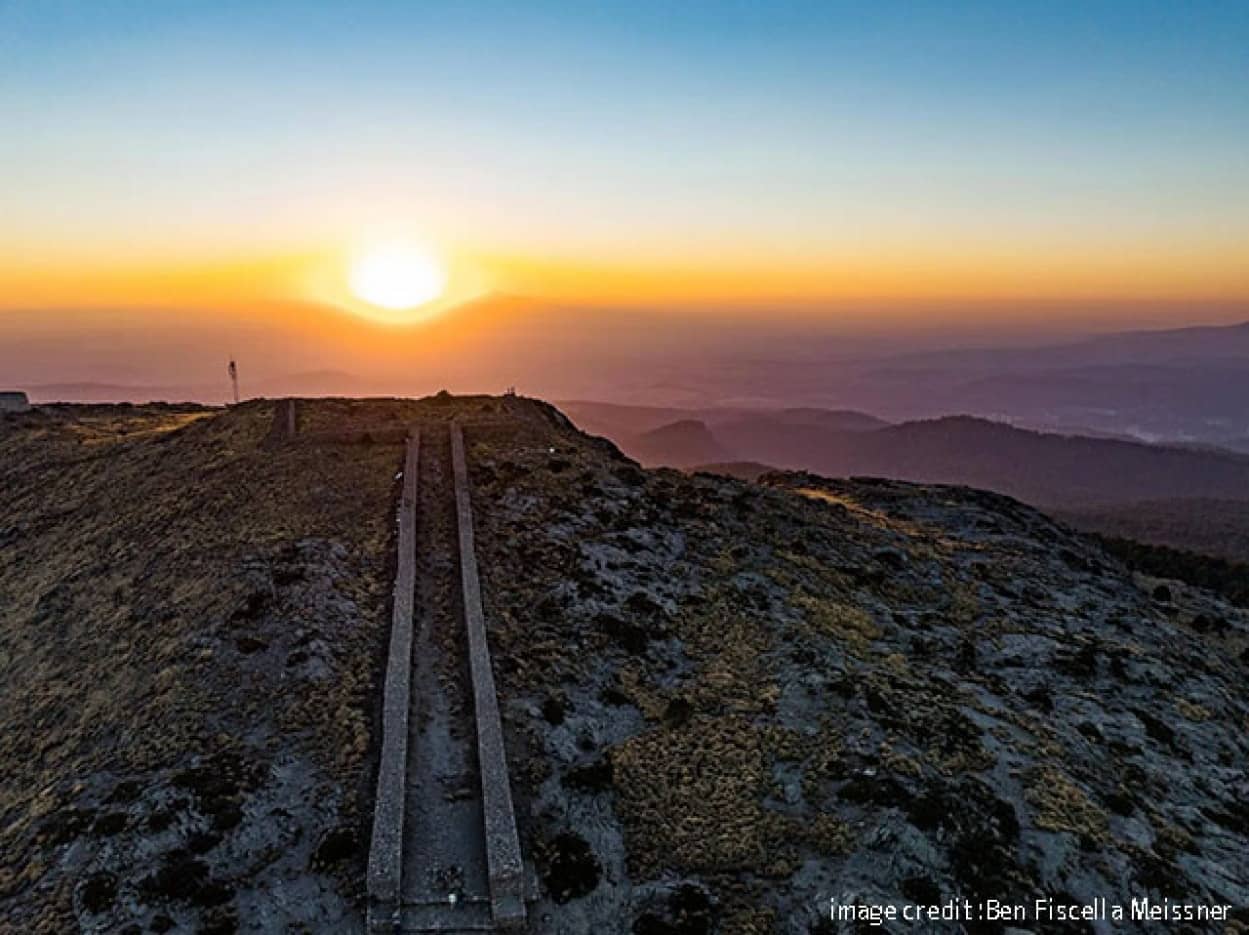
(14, 402)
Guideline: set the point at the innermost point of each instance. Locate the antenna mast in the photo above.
(234, 378)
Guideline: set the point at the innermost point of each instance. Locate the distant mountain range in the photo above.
(88, 392)
(1043, 468)
(1063, 426)
(679, 444)
(1183, 385)
(1186, 386)
(312, 383)
(690, 437)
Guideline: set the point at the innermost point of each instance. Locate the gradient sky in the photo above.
(222, 154)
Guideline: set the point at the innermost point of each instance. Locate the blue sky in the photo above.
(628, 129)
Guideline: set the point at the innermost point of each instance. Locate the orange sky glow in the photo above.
(821, 285)
(950, 167)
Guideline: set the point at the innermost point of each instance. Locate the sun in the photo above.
(396, 277)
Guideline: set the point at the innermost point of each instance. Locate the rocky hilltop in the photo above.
(726, 703)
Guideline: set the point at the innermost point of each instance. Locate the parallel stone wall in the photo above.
(386, 850)
(503, 856)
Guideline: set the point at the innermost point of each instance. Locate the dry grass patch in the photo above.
(1061, 805)
(1192, 710)
(691, 796)
(841, 621)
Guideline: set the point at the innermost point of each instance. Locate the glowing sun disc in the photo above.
(396, 277)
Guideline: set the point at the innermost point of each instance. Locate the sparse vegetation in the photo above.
(1061, 805)
(819, 664)
(836, 619)
(183, 611)
(710, 772)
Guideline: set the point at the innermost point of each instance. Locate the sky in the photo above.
(1011, 163)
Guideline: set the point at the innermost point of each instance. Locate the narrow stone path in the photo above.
(445, 855)
(505, 866)
(445, 881)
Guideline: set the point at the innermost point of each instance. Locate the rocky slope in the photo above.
(190, 617)
(738, 701)
(726, 702)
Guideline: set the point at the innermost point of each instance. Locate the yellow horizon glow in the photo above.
(440, 279)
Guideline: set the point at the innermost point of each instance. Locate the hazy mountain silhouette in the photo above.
(1188, 385)
(1162, 347)
(614, 419)
(792, 436)
(678, 444)
(1047, 469)
(88, 392)
(1042, 468)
